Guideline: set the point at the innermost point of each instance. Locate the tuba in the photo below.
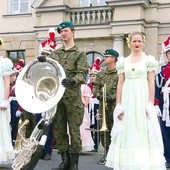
(38, 90)
(38, 86)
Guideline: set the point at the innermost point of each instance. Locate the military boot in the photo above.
(102, 161)
(65, 164)
(74, 161)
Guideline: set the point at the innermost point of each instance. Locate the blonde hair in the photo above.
(129, 38)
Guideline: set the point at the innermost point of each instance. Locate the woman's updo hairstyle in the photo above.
(129, 38)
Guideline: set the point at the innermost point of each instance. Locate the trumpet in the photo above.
(104, 126)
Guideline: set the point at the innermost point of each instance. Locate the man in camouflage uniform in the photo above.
(70, 107)
(110, 78)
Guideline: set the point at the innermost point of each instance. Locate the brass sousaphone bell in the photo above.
(38, 86)
(38, 89)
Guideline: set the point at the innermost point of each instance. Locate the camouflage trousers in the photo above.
(67, 123)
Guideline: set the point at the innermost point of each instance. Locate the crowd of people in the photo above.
(130, 97)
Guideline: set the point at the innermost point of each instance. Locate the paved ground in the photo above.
(87, 161)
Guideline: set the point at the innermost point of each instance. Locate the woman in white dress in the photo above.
(86, 137)
(6, 149)
(136, 138)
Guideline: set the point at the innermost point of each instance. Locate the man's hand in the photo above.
(67, 82)
(41, 58)
(18, 113)
(100, 97)
(109, 99)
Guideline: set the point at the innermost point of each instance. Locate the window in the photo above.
(16, 55)
(18, 6)
(86, 3)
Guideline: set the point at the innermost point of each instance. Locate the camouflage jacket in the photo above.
(75, 66)
(110, 78)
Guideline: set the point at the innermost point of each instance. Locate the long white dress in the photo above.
(135, 145)
(6, 149)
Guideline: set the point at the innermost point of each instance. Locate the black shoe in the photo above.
(102, 161)
(95, 150)
(47, 157)
(167, 165)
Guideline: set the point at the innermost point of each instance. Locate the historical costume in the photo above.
(86, 137)
(136, 139)
(162, 99)
(48, 45)
(6, 149)
(94, 103)
(16, 109)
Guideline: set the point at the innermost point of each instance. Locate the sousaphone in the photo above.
(38, 89)
(38, 86)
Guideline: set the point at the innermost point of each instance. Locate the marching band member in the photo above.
(109, 78)
(162, 99)
(16, 110)
(70, 107)
(46, 47)
(94, 103)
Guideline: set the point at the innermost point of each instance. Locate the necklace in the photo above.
(133, 69)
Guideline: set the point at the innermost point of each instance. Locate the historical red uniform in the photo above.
(16, 109)
(162, 100)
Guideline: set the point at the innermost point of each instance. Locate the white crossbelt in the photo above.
(166, 92)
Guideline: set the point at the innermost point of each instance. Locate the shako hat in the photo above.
(95, 68)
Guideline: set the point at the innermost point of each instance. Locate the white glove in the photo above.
(118, 116)
(4, 104)
(158, 110)
(118, 111)
(18, 113)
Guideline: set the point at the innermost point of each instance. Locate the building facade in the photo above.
(99, 25)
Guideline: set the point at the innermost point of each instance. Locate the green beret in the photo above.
(111, 52)
(64, 25)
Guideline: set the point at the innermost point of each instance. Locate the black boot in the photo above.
(65, 164)
(74, 161)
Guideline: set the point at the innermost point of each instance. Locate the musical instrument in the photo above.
(20, 135)
(104, 126)
(38, 90)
